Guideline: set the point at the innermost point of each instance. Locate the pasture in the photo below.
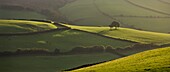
(15, 14)
(21, 26)
(154, 4)
(50, 63)
(139, 36)
(64, 40)
(157, 60)
(103, 12)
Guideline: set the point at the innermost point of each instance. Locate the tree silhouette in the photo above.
(114, 24)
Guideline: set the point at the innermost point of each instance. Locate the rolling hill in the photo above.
(157, 60)
(21, 26)
(151, 16)
(49, 9)
(21, 14)
(50, 63)
(64, 40)
(139, 36)
(79, 36)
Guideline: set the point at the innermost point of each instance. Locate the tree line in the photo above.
(80, 50)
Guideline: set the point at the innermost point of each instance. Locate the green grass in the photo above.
(154, 4)
(50, 63)
(149, 24)
(14, 14)
(19, 26)
(128, 34)
(121, 7)
(157, 60)
(84, 12)
(63, 40)
(84, 9)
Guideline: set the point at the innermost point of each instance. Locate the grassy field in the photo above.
(149, 24)
(128, 34)
(166, 1)
(50, 63)
(64, 40)
(121, 7)
(157, 60)
(103, 12)
(154, 4)
(14, 14)
(85, 12)
(19, 26)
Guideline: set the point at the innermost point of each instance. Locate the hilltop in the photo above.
(23, 26)
(157, 60)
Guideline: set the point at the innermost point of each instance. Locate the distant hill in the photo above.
(157, 60)
(48, 8)
(152, 15)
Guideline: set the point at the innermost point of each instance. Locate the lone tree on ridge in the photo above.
(115, 25)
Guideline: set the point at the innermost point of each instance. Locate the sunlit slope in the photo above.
(22, 26)
(157, 60)
(128, 34)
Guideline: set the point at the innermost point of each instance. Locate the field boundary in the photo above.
(128, 16)
(147, 8)
(164, 2)
(63, 27)
(32, 33)
(104, 36)
(141, 48)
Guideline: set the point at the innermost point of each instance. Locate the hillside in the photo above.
(157, 60)
(20, 14)
(50, 63)
(139, 36)
(64, 40)
(146, 15)
(49, 8)
(23, 26)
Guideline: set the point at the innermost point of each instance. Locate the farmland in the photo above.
(64, 40)
(128, 34)
(103, 12)
(49, 9)
(76, 35)
(15, 14)
(21, 26)
(157, 60)
(50, 63)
